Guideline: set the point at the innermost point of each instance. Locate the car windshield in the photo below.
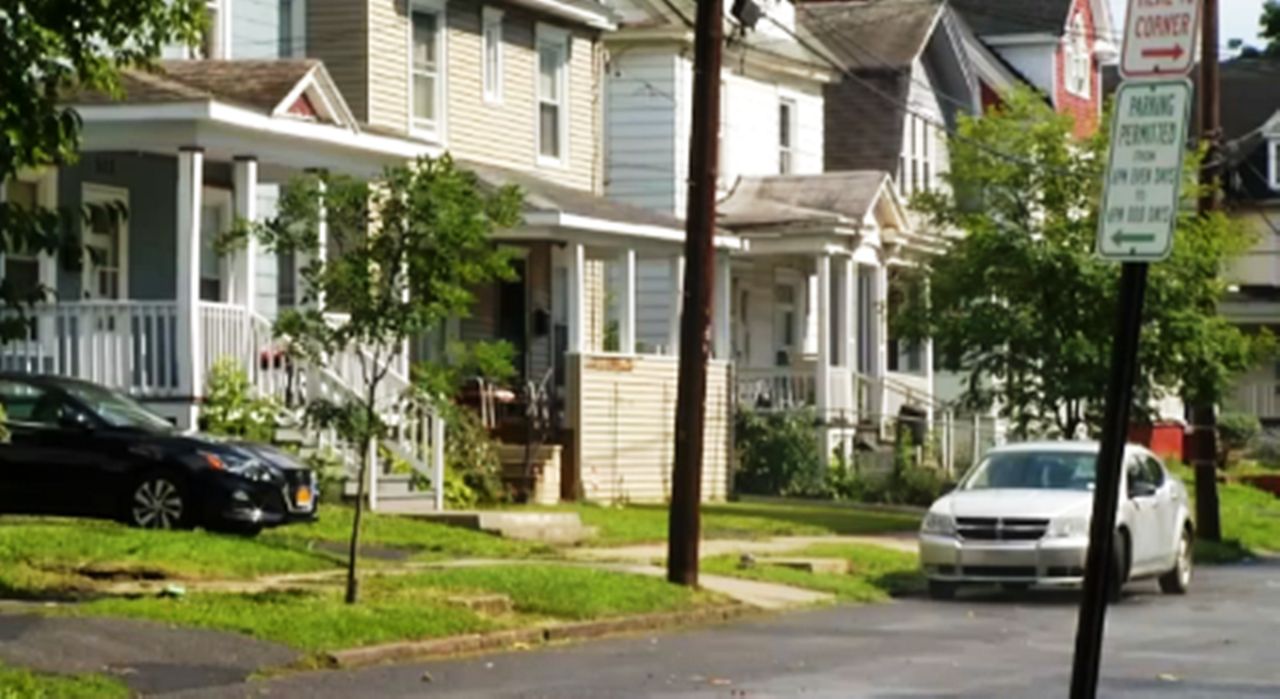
(116, 409)
(1036, 470)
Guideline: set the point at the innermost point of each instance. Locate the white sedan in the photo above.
(1021, 518)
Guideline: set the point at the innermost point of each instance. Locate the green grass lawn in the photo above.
(1250, 520)
(749, 520)
(405, 607)
(24, 684)
(874, 575)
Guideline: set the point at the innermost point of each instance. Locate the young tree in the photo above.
(47, 49)
(1023, 307)
(1271, 27)
(402, 255)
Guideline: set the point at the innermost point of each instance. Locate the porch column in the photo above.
(244, 275)
(880, 341)
(722, 341)
(822, 372)
(850, 315)
(189, 346)
(928, 366)
(301, 260)
(577, 263)
(627, 303)
(676, 305)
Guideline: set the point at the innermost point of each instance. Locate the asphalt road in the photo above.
(1221, 642)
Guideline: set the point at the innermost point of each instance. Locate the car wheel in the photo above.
(941, 590)
(158, 501)
(1178, 580)
(1120, 568)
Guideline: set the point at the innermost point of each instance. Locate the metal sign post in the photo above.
(1135, 227)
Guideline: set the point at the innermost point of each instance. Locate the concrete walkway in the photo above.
(650, 553)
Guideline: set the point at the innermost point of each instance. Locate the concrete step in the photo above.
(550, 527)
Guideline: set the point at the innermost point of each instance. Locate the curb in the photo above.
(501, 640)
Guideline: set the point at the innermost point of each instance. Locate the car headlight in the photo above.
(241, 465)
(1068, 527)
(938, 523)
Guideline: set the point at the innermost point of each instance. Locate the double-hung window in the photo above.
(491, 50)
(786, 136)
(1079, 62)
(427, 53)
(553, 53)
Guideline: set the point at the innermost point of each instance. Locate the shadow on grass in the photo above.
(833, 518)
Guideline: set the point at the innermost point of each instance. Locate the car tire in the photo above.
(1178, 580)
(1120, 569)
(158, 500)
(941, 590)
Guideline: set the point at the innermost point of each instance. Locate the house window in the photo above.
(424, 90)
(552, 122)
(1273, 148)
(491, 50)
(106, 244)
(786, 136)
(1079, 62)
(22, 267)
(293, 28)
(784, 327)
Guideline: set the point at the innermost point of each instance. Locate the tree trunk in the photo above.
(353, 582)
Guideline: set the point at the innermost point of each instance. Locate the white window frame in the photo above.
(92, 193)
(787, 152)
(297, 37)
(220, 28)
(493, 75)
(435, 131)
(547, 35)
(1273, 149)
(223, 200)
(1078, 59)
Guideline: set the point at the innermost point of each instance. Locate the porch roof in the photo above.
(832, 199)
(578, 212)
(287, 112)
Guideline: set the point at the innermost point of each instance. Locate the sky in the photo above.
(1240, 19)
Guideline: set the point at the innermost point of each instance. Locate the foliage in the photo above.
(1022, 306)
(230, 407)
(49, 50)
(16, 683)
(1250, 517)
(778, 454)
(1271, 27)
(4, 425)
(875, 573)
(473, 469)
(330, 470)
(1266, 449)
(403, 256)
(1238, 430)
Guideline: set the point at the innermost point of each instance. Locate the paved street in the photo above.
(1219, 643)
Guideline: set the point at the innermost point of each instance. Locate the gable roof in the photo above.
(1003, 17)
(831, 198)
(876, 34)
(272, 87)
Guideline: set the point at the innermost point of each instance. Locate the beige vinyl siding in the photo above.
(388, 51)
(624, 409)
(584, 124)
(337, 31)
(593, 282)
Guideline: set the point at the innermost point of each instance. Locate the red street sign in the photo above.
(1160, 38)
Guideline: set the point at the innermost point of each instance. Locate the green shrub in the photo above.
(473, 469)
(778, 454)
(330, 472)
(231, 410)
(1238, 430)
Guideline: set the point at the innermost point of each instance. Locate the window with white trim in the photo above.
(553, 50)
(491, 53)
(786, 136)
(1273, 148)
(21, 265)
(1079, 59)
(425, 84)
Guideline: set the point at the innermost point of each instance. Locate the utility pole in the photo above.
(1204, 420)
(684, 524)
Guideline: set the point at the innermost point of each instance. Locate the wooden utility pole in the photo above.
(684, 525)
(1204, 421)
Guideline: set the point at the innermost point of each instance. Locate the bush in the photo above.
(778, 454)
(1238, 430)
(231, 410)
(473, 469)
(1266, 449)
(331, 472)
(907, 483)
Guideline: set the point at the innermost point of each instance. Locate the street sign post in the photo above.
(1160, 38)
(1136, 222)
(1144, 174)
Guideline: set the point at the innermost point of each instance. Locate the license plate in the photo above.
(303, 497)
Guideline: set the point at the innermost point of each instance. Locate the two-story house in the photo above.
(513, 90)
(1057, 46)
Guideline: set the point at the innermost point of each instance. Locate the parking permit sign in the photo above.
(1144, 174)
(1160, 38)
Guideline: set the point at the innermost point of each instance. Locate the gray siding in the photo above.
(256, 28)
(150, 181)
(339, 35)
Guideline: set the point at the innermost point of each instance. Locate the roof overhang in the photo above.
(1025, 39)
(596, 19)
(594, 231)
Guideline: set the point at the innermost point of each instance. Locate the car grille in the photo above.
(993, 529)
(1001, 571)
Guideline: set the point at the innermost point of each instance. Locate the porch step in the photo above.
(548, 527)
(396, 492)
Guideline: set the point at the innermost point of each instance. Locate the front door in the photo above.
(106, 240)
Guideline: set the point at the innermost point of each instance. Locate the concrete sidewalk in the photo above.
(650, 553)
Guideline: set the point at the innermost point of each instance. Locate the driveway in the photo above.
(1219, 643)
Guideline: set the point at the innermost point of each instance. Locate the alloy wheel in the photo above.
(157, 504)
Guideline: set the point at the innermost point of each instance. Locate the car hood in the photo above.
(268, 454)
(1034, 504)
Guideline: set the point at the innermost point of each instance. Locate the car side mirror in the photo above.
(1141, 490)
(74, 420)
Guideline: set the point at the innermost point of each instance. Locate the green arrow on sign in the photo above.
(1120, 238)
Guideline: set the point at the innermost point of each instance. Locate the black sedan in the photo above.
(76, 448)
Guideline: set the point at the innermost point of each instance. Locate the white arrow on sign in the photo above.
(1144, 172)
(1160, 38)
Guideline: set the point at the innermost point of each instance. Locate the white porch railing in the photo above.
(782, 388)
(129, 345)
